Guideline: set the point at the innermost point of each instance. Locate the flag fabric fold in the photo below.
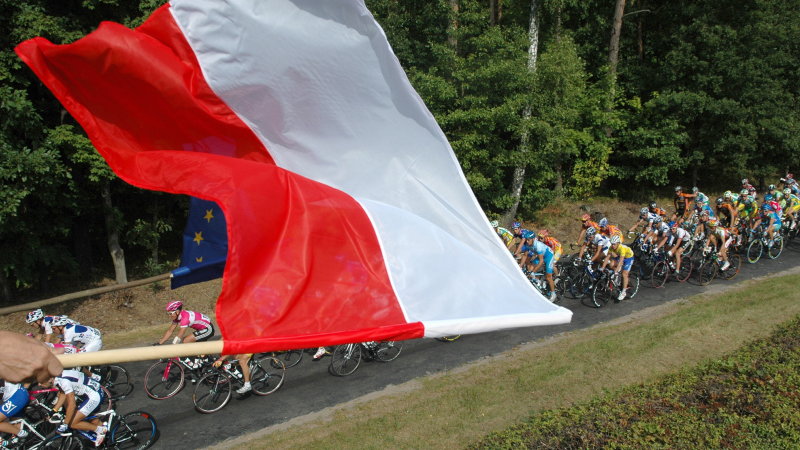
(347, 215)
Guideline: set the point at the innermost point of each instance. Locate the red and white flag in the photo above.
(348, 216)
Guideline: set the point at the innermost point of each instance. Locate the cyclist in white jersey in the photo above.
(43, 323)
(71, 384)
(89, 339)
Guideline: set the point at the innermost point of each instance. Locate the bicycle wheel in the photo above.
(266, 376)
(288, 358)
(345, 359)
(754, 251)
(58, 442)
(135, 430)
(164, 379)
(582, 285)
(601, 293)
(633, 284)
(686, 270)
(660, 273)
(561, 284)
(776, 249)
(732, 270)
(707, 272)
(387, 350)
(212, 392)
(117, 381)
(449, 338)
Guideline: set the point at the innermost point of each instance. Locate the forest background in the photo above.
(542, 100)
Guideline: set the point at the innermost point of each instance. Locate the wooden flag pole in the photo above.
(140, 353)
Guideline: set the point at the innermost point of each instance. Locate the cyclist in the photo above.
(722, 238)
(70, 384)
(792, 206)
(679, 242)
(586, 223)
(596, 241)
(681, 202)
(542, 253)
(192, 327)
(751, 190)
(609, 230)
(89, 339)
(43, 323)
(15, 398)
(244, 360)
(772, 220)
(790, 183)
(505, 235)
(555, 246)
(747, 209)
(654, 209)
(645, 220)
(726, 212)
(622, 257)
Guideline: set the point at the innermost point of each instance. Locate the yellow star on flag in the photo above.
(198, 236)
(209, 215)
(199, 259)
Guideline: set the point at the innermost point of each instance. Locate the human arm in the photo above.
(168, 333)
(24, 359)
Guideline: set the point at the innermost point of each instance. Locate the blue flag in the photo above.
(205, 244)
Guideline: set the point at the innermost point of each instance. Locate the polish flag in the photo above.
(347, 214)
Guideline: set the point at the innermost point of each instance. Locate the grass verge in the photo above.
(459, 408)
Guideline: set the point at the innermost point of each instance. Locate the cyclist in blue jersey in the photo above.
(539, 251)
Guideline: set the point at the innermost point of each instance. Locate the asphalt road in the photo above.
(310, 388)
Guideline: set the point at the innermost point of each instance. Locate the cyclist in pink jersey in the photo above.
(63, 349)
(193, 326)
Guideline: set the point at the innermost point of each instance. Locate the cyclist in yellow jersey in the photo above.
(505, 235)
(622, 257)
(791, 207)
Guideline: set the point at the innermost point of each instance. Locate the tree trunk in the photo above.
(559, 179)
(640, 39)
(613, 47)
(519, 171)
(452, 39)
(112, 233)
(5, 288)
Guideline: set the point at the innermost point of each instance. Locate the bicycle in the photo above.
(346, 358)
(666, 267)
(289, 358)
(609, 285)
(759, 241)
(115, 379)
(166, 377)
(136, 430)
(215, 388)
(711, 267)
(37, 433)
(540, 283)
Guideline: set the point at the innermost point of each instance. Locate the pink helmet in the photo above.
(174, 306)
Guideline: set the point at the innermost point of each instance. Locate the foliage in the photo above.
(746, 400)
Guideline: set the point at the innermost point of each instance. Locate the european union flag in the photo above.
(205, 244)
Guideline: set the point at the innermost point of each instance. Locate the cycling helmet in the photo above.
(695, 190)
(586, 218)
(615, 239)
(528, 235)
(644, 211)
(719, 200)
(768, 198)
(766, 207)
(60, 321)
(541, 234)
(744, 192)
(727, 195)
(673, 224)
(704, 214)
(516, 225)
(652, 205)
(787, 191)
(745, 181)
(494, 224)
(712, 223)
(603, 222)
(657, 220)
(174, 306)
(771, 187)
(590, 232)
(678, 188)
(34, 315)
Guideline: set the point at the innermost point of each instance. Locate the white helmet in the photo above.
(615, 239)
(60, 321)
(34, 315)
(494, 224)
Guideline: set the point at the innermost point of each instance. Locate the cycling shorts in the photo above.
(91, 402)
(14, 405)
(93, 345)
(626, 263)
(549, 260)
(204, 334)
(776, 226)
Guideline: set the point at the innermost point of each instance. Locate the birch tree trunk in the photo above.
(112, 233)
(613, 47)
(452, 40)
(519, 172)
